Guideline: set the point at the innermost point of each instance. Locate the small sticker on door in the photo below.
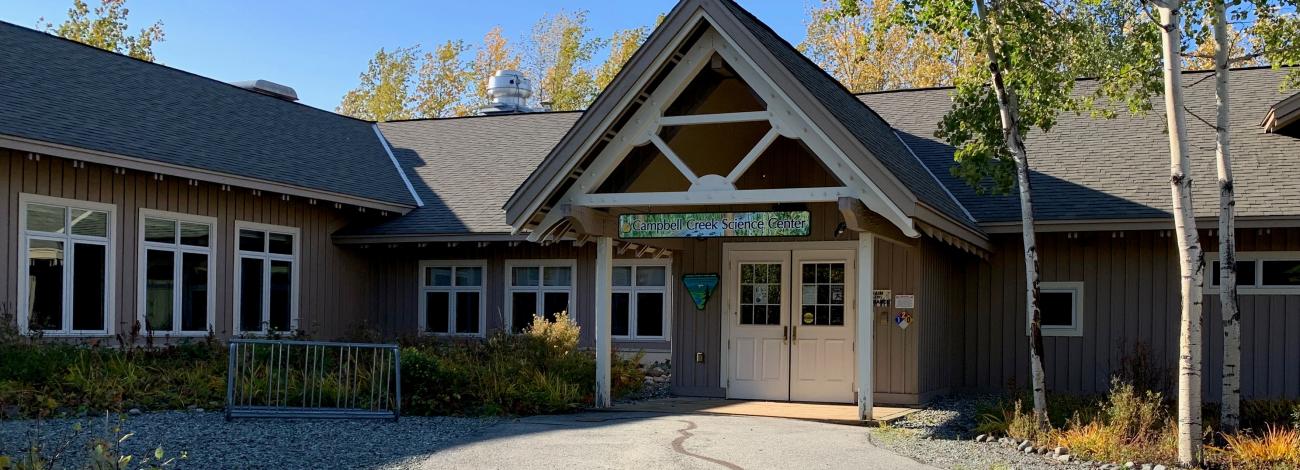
(807, 318)
(902, 319)
(837, 294)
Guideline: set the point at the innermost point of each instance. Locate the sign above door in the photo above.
(716, 224)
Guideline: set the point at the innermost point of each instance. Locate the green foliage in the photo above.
(385, 90)
(43, 379)
(558, 60)
(100, 452)
(106, 29)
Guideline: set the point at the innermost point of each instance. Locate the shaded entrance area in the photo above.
(819, 412)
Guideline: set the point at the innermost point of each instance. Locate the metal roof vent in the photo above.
(268, 88)
(509, 91)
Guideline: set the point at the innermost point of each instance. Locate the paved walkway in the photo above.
(655, 440)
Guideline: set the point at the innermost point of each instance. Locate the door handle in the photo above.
(785, 334)
(794, 334)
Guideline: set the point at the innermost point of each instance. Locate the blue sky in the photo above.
(319, 47)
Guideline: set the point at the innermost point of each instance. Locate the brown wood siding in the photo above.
(1131, 298)
(896, 349)
(940, 308)
(328, 295)
(392, 284)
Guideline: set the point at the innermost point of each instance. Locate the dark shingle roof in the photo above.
(868, 127)
(465, 168)
(1088, 168)
(59, 91)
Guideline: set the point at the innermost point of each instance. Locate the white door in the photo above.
(822, 327)
(759, 293)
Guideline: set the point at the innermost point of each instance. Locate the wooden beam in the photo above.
(753, 154)
(604, 330)
(672, 157)
(696, 198)
(588, 221)
(719, 118)
(865, 272)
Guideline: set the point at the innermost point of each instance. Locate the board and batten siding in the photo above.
(1130, 308)
(329, 297)
(392, 283)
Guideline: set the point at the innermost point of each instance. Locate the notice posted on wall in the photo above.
(905, 301)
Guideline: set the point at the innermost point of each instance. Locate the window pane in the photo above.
(1282, 273)
(159, 231)
(281, 243)
(619, 306)
(467, 307)
(194, 234)
(437, 276)
(89, 223)
(649, 314)
(194, 292)
(252, 240)
(159, 289)
(1057, 308)
(469, 277)
(555, 302)
(1245, 273)
(88, 279)
(45, 271)
(523, 305)
(650, 276)
(523, 276)
(281, 294)
(435, 312)
(622, 275)
(558, 276)
(250, 294)
(46, 218)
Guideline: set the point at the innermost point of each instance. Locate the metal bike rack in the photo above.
(313, 379)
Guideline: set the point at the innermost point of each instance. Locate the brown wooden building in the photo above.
(842, 254)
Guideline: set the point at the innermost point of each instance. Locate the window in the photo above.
(536, 287)
(66, 266)
(822, 296)
(266, 278)
(1060, 305)
(177, 288)
(451, 297)
(640, 299)
(1261, 272)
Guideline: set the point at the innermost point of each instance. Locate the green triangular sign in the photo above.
(700, 286)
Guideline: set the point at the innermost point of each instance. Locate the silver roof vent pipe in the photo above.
(269, 88)
(509, 91)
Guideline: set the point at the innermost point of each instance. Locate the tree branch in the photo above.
(1198, 118)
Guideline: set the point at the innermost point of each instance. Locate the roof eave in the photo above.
(169, 169)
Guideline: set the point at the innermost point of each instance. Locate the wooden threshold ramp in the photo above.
(822, 412)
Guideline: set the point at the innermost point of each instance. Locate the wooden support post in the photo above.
(604, 331)
(866, 343)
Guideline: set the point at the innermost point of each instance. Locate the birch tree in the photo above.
(384, 93)
(1025, 80)
(557, 60)
(621, 47)
(443, 82)
(1191, 261)
(106, 28)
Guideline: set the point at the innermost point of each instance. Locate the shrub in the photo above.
(1131, 425)
(1259, 415)
(1276, 447)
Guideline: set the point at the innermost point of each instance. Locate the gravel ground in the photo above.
(941, 435)
(211, 442)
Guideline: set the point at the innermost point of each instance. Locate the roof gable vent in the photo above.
(269, 88)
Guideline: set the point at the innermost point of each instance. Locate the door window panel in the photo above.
(822, 294)
(159, 291)
(88, 277)
(467, 312)
(194, 292)
(523, 306)
(250, 294)
(760, 293)
(620, 311)
(437, 315)
(281, 295)
(650, 314)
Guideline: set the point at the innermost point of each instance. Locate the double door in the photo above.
(791, 325)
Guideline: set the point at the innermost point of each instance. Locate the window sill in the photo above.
(1279, 290)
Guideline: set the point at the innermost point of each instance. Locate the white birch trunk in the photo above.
(1010, 114)
(1229, 415)
(1190, 260)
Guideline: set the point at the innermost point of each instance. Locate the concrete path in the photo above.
(655, 440)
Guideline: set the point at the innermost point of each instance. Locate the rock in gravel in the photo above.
(1028, 450)
(1059, 450)
(1158, 467)
(1146, 466)
(980, 438)
(1063, 458)
(1129, 464)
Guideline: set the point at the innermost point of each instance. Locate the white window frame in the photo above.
(1076, 328)
(632, 290)
(541, 289)
(110, 243)
(1258, 257)
(481, 289)
(178, 250)
(266, 257)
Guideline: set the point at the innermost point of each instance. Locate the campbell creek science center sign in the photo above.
(715, 224)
